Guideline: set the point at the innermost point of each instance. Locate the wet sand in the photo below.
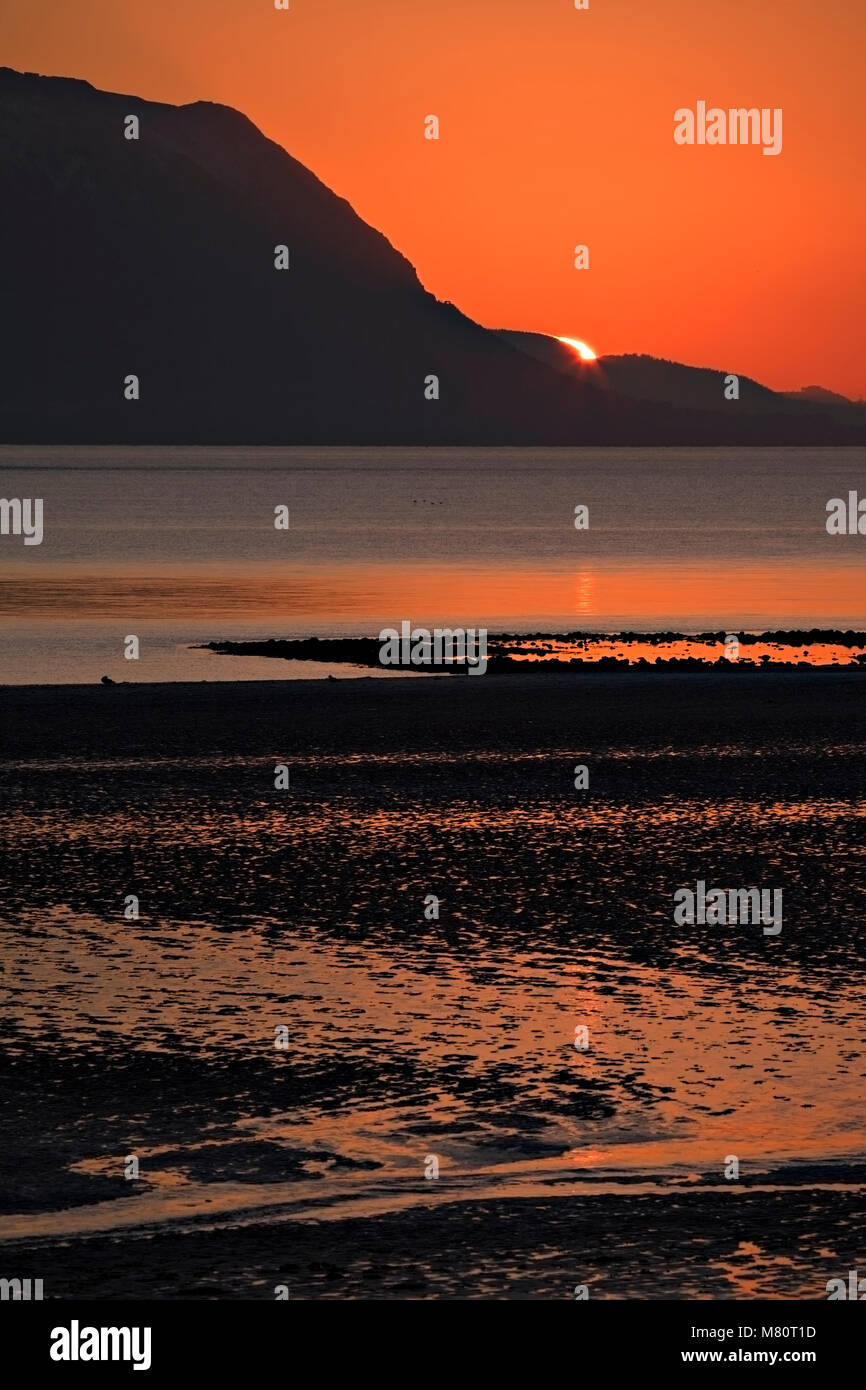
(452, 1037)
(743, 1245)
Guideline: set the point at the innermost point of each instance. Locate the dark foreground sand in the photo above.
(451, 713)
(159, 782)
(728, 1245)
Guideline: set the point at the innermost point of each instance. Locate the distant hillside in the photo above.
(654, 379)
(155, 257)
(820, 393)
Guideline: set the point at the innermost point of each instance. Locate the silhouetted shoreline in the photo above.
(535, 653)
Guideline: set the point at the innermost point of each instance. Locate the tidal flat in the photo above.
(414, 1034)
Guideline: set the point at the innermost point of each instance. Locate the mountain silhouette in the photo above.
(642, 378)
(820, 393)
(155, 257)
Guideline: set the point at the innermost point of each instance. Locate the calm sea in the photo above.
(178, 546)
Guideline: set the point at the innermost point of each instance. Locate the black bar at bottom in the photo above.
(229, 1339)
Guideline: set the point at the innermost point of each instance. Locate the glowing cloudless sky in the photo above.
(556, 129)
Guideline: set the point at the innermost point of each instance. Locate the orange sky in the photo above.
(556, 128)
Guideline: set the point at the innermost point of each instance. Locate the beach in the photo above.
(432, 675)
(413, 1033)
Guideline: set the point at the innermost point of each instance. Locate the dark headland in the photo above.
(155, 257)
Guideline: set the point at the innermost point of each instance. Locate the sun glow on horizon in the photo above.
(585, 351)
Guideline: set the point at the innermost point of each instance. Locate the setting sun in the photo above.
(586, 353)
